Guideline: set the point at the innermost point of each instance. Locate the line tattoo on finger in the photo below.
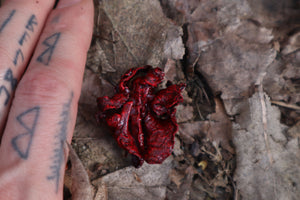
(19, 53)
(6, 92)
(10, 16)
(50, 43)
(23, 142)
(23, 38)
(10, 78)
(58, 158)
(13, 83)
(30, 27)
(31, 23)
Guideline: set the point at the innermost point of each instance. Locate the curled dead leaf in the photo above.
(220, 128)
(81, 186)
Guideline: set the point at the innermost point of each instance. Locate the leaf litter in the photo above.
(238, 132)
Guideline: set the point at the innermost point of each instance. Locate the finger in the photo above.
(20, 25)
(43, 112)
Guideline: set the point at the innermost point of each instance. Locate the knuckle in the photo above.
(40, 88)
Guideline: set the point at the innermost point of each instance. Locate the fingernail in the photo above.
(66, 3)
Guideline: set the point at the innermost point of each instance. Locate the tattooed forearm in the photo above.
(11, 14)
(58, 158)
(22, 142)
(50, 43)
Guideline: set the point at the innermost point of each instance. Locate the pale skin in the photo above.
(42, 59)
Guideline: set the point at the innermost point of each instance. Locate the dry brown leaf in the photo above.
(184, 113)
(81, 186)
(275, 14)
(233, 65)
(152, 182)
(183, 191)
(101, 193)
(220, 129)
(188, 131)
(294, 131)
(256, 175)
(176, 177)
(173, 71)
(293, 44)
(134, 33)
(96, 57)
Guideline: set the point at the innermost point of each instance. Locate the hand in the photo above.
(42, 59)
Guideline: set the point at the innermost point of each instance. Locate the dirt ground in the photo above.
(239, 124)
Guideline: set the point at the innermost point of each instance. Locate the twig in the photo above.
(196, 60)
(199, 112)
(103, 38)
(286, 105)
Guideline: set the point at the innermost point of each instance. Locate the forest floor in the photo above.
(239, 124)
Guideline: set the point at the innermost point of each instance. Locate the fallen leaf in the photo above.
(275, 14)
(81, 186)
(176, 177)
(220, 128)
(173, 71)
(294, 131)
(267, 163)
(183, 191)
(122, 184)
(293, 44)
(184, 113)
(96, 57)
(101, 193)
(134, 33)
(188, 131)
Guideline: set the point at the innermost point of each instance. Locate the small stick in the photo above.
(286, 105)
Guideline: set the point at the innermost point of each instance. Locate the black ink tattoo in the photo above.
(30, 27)
(50, 42)
(11, 14)
(13, 82)
(22, 142)
(32, 21)
(23, 38)
(3, 88)
(19, 53)
(9, 77)
(58, 158)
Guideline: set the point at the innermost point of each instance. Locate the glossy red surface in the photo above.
(141, 118)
